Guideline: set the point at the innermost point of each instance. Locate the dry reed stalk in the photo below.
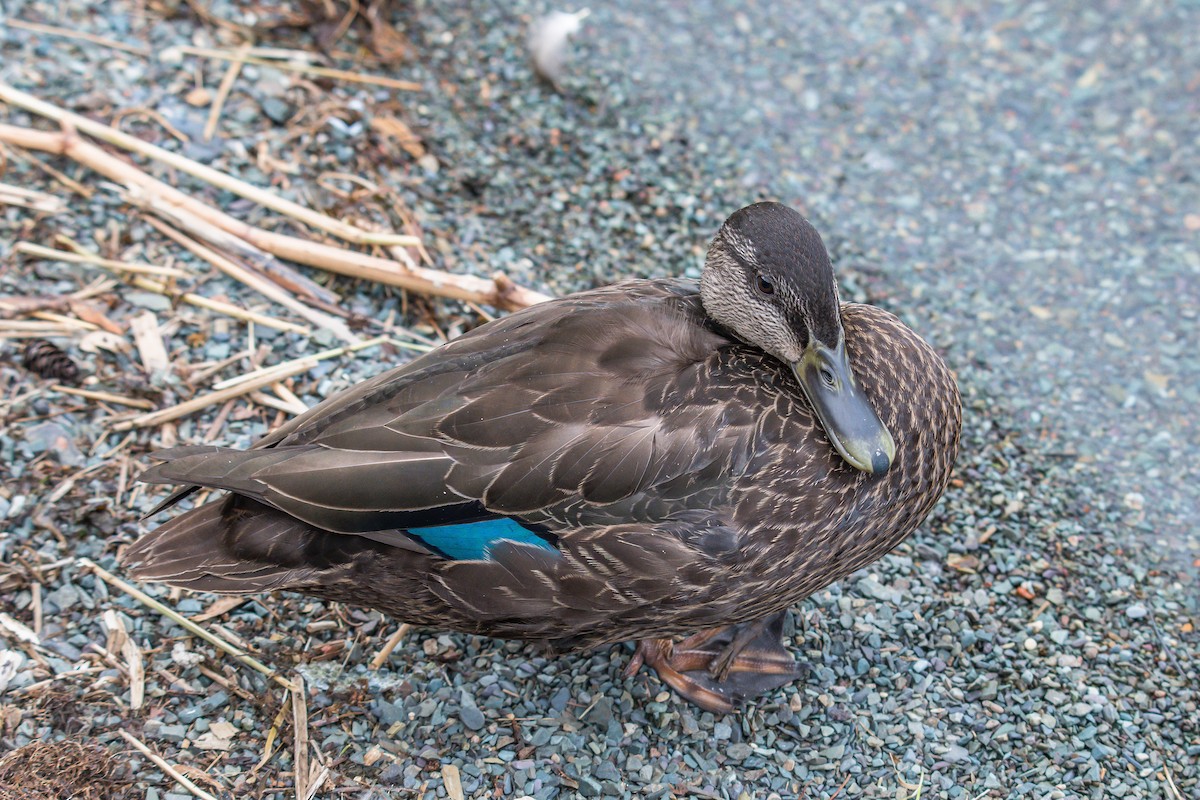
(104, 397)
(500, 291)
(286, 369)
(220, 239)
(257, 282)
(265, 198)
(300, 731)
(31, 198)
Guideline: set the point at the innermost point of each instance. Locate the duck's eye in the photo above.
(827, 376)
(765, 286)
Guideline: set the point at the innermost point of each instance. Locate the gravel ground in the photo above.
(1018, 183)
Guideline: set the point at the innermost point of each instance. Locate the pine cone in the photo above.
(47, 360)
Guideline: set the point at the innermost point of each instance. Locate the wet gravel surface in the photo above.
(1019, 184)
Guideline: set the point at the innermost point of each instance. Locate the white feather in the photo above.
(550, 39)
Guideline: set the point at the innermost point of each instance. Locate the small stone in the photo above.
(739, 751)
(589, 787)
(198, 97)
(277, 110)
(472, 717)
(957, 754)
(607, 771)
(1136, 611)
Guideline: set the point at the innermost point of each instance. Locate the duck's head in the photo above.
(768, 280)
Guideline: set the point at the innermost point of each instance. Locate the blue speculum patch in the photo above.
(471, 540)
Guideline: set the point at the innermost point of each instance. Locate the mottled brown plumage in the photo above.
(676, 474)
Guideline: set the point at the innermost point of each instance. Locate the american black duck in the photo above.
(645, 461)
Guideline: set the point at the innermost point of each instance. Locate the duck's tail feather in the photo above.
(237, 545)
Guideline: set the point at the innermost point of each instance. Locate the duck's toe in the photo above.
(721, 668)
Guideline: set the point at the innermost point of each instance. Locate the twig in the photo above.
(211, 398)
(264, 399)
(166, 767)
(216, 641)
(220, 239)
(382, 656)
(104, 397)
(27, 305)
(65, 321)
(231, 76)
(317, 783)
(305, 69)
(205, 173)
(499, 291)
(67, 181)
(54, 30)
(257, 282)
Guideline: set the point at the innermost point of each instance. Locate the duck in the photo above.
(669, 462)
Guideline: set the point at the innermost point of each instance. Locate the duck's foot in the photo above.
(721, 668)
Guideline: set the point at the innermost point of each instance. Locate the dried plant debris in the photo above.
(330, 20)
(47, 360)
(65, 769)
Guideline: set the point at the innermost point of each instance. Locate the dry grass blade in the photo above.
(238, 387)
(184, 622)
(54, 30)
(166, 767)
(286, 369)
(220, 306)
(305, 69)
(120, 641)
(31, 249)
(272, 734)
(265, 198)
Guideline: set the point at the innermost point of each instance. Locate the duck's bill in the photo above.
(843, 411)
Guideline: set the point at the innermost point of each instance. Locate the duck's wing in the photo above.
(576, 412)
